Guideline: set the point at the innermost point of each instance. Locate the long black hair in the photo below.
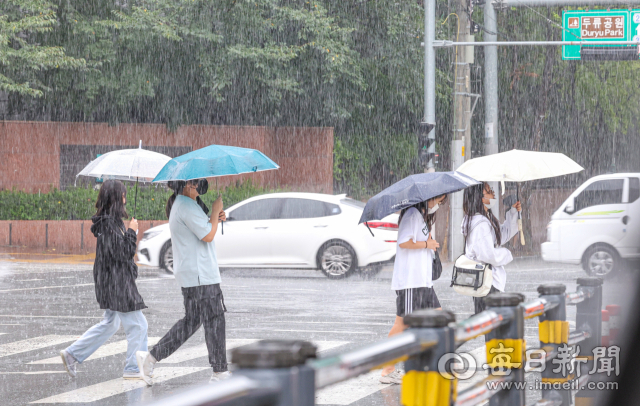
(472, 205)
(109, 201)
(178, 185)
(422, 207)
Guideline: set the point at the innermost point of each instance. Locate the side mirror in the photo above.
(570, 207)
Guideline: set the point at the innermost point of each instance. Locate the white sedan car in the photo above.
(290, 230)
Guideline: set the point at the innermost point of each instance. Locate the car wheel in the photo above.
(602, 261)
(336, 259)
(166, 257)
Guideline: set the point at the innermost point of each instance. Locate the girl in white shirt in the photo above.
(484, 236)
(413, 267)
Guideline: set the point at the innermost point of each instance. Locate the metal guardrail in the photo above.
(286, 373)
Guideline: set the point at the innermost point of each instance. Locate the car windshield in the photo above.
(353, 203)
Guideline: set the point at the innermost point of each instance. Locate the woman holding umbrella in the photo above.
(114, 274)
(484, 236)
(412, 268)
(196, 270)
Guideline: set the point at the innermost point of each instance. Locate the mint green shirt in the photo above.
(194, 261)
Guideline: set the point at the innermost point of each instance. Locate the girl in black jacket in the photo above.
(114, 274)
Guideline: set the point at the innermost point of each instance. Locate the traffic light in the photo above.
(424, 143)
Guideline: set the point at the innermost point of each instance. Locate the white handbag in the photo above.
(471, 278)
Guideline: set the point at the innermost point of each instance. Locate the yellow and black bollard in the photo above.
(506, 348)
(589, 319)
(423, 384)
(553, 332)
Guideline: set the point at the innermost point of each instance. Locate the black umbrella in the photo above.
(412, 190)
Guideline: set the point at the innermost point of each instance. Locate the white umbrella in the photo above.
(127, 164)
(519, 166)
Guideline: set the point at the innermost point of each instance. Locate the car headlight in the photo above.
(549, 231)
(149, 235)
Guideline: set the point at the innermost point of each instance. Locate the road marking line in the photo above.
(198, 351)
(72, 286)
(33, 373)
(324, 331)
(117, 386)
(31, 280)
(45, 287)
(330, 322)
(35, 343)
(107, 350)
(51, 317)
(345, 393)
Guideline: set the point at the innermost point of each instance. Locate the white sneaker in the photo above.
(69, 363)
(131, 375)
(394, 378)
(146, 362)
(219, 376)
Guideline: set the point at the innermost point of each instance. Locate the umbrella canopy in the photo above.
(126, 164)
(412, 190)
(519, 166)
(215, 160)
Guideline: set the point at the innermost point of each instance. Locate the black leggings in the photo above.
(202, 305)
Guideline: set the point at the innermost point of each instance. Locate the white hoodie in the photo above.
(481, 244)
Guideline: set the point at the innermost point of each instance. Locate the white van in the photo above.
(598, 226)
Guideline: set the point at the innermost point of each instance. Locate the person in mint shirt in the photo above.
(195, 267)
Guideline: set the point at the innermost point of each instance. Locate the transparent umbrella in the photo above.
(519, 166)
(128, 165)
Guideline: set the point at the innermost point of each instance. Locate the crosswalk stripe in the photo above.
(350, 391)
(198, 351)
(33, 373)
(118, 347)
(117, 386)
(35, 343)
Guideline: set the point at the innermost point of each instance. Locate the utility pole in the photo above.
(427, 134)
(491, 126)
(462, 111)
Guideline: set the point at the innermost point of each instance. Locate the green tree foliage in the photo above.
(23, 59)
(354, 65)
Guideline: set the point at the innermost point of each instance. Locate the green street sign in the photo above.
(599, 25)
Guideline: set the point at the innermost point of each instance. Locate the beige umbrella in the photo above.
(519, 166)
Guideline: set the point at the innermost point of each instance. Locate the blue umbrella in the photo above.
(412, 190)
(215, 160)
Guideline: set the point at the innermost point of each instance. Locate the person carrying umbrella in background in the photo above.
(114, 274)
(484, 236)
(412, 268)
(196, 270)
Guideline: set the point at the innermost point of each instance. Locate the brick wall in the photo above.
(63, 236)
(30, 151)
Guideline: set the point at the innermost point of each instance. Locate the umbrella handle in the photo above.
(135, 199)
(222, 224)
(521, 232)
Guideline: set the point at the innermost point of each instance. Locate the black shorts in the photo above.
(409, 300)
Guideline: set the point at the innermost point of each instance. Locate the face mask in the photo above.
(433, 209)
(493, 204)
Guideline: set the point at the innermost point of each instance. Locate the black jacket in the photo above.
(114, 271)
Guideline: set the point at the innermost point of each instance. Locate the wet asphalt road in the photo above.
(44, 306)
